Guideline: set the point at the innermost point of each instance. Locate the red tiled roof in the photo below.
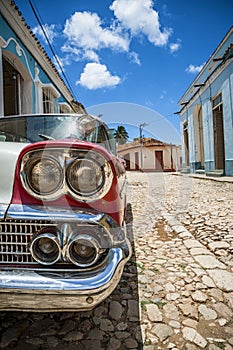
(146, 142)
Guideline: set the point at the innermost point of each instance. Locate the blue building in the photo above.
(206, 115)
(29, 81)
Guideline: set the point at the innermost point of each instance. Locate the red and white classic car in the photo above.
(63, 243)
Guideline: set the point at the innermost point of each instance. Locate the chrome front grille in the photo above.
(14, 241)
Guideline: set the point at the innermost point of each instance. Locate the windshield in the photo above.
(36, 128)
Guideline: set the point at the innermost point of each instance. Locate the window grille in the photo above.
(48, 100)
(217, 101)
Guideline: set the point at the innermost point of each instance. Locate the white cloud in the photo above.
(84, 29)
(140, 18)
(72, 51)
(50, 31)
(194, 69)
(174, 47)
(91, 56)
(59, 63)
(77, 54)
(96, 76)
(86, 35)
(134, 58)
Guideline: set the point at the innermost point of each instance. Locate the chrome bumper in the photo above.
(60, 290)
(43, 292)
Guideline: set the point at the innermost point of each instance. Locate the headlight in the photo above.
(89, 179)
(48, 174)
(83, 250)
(45, 248)
(42, 175)
(85, 177)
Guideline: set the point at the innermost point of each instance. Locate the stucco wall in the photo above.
(223, 83)
(23, 52)
(146, 156)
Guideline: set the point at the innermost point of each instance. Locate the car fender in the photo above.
(9, 153)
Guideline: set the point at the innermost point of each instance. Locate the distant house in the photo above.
(29, 81)
(150, 155)
(206, 115)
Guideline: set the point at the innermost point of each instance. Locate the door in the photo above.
(200, 124)
(219, 145)
(136, 156)
(186, 144)
(158, 160)
(127, 161)
(198, 137)
(11, 89)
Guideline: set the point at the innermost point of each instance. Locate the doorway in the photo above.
(136, 156)
(186, 144)
(218, 131)
(11, 89)
(219, 145)
(158, 160)
(200, 127)
(198, 137)
(127, 161)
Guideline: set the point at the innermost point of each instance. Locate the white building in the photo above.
(206, 115)
(150, 155)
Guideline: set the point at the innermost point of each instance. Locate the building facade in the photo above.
(29, 81)
(206, 115)
(150, 155)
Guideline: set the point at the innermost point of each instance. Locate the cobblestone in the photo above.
(176, 291)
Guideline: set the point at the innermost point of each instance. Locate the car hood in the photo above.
(9, 153)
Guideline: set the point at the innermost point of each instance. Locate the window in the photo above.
(50, 96)
(48, 100)
(64, 107)
(100, 135)
(217, 102)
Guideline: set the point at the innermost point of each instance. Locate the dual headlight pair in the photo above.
(48, 248)
(47, 176)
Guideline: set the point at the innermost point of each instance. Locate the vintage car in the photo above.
(63, 243)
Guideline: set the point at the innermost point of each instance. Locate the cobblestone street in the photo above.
(185, 267)
(176, 291)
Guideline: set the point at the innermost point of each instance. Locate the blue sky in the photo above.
(132, 60)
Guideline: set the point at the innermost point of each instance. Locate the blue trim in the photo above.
(209, 166)
(229, 167)
(195, 166)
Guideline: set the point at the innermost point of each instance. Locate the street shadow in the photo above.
(112, 325)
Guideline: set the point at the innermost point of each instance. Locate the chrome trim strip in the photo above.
(33, 212)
